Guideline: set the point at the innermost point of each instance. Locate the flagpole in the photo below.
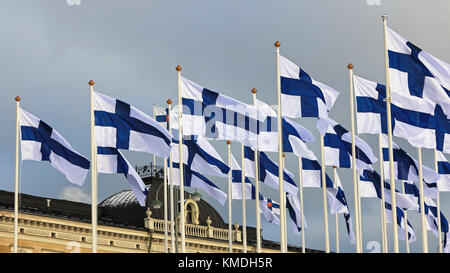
(230, 229)
(324, 197)
(258, 209)
(16, 180)
(154, 156)
(405, 220)
(244, 215)
(166, 243)
(383, 207)
(355, 180)
(284, 216)
(180, 140)
(422, 204)
(336, 215)
(93, 173)
(438, 206)
(391, 153)
(172, 203)
(280, 153)
(300, 174)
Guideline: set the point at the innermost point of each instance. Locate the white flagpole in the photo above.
(16, 180)
(93, 173)
(382, 202)
(280, 153)
(355, 175)
(230, 225)
(324, 197)
(172, 203)
(405, 221)
(336, 215)
(258, 209)
(244, 215)
(285, 218)
(422, 204)
(180, 140)
(154, 156)
(300, 174)
(166, 243)
(438, 206)
(391, 153)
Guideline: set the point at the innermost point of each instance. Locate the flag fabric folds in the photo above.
(122, 126)
(161, 115)
(213, 115)
(400, 223)
(236, 186)
(111, 160)
(295, 213)
(349, 226)
(40, 142)
(270, 209)
(444, 172)
(418, 121)
(302, 96)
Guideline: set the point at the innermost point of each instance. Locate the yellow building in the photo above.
(52, 225)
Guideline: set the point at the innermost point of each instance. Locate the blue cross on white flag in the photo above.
(349, 226)
(41, 143)
(444, 172)
(161, 115)
(213, 115)
(414, 121)
(122, 126)
(111, 160)
(302, 96)
(270, 209)
(400, 223)
(417, 74)
(236, 186)
(295, 213)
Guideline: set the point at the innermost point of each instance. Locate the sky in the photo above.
(51, 49)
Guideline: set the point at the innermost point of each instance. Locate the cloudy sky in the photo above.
(50, 50)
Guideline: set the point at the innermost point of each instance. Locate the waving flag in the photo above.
(161, 115)
(295, 213)
(417, 121)
(268, 171)
(211, 114)
(370, 186)
(444, 172)
(400, 223)
(349, 226)
(338, 147)
(294, 135)
(111, 160)
(41, 143)
(301, 96)
(122, 126)
(201, 157)
(236, 186)
(407, 168)
(270, 209)
(417, 74)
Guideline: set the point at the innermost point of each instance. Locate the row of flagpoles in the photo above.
(117, 125)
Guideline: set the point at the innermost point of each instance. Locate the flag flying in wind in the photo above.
(161, 115)
(236, 186)
(407, 168)
(295, 213)
(270, 209)
(41, 143)
(415, 121)
(111, 160)
(444, 172)
(294, 135)
(400, 223)
(268, 171)
(213, 115)
(301, 96)
(122, 126)
(338, 147)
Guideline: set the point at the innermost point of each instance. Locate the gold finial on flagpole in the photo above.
(91, 82)
(254, 90)
(277, 44)
(17, 98)
(284, 155)
(178, 68)
(350, 66)
(169, 101)
(228, 142)
(334, 167)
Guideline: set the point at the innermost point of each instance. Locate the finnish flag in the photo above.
(370, 186)
(161, 115)
(213, 115)
(416, 121)
(201, 157)
(294, 135)
(338, 147)
(417, 74)
(444, 172)
(349, 226)
(236, 186)
(295, 213)
(302, 96)
(400, 223)
(111, 160)
(268, 171)
(270, 209)
(195, 179)
(407, 168)
(40, 142)
(122, 126)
